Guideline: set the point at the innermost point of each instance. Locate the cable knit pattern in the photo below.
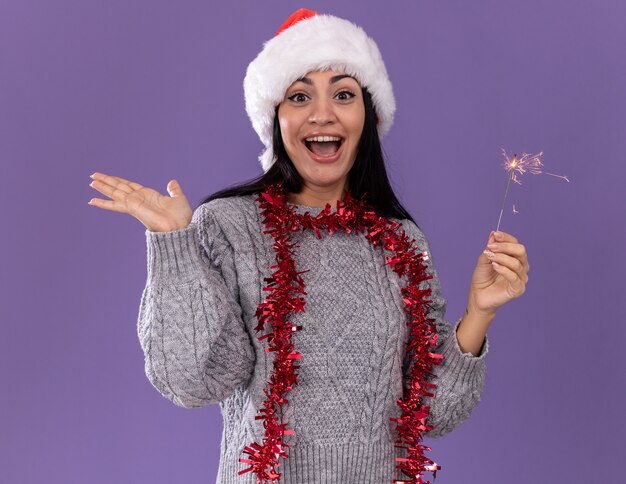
(197, 322)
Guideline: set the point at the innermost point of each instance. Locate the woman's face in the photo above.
(322, 104)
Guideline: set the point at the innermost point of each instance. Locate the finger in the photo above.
(174, 188)
(116, 181)
(514, 249)
(112, 205)
(513, 264)
(120, 191)
(504, 237)
(516, 284)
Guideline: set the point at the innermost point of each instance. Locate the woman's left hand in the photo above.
(499, 278)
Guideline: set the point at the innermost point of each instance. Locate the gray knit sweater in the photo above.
(196, 328)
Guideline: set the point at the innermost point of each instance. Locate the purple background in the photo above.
(152, 90)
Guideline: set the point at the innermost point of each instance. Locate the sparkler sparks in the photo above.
(519, 166)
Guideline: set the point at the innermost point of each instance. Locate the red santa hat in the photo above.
(307, 42)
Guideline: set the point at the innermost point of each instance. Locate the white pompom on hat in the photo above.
(307, 42)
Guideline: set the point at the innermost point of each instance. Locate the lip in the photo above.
(325, 159)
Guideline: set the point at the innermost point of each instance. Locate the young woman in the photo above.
(305, 302)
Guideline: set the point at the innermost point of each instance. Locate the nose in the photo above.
(322, 111)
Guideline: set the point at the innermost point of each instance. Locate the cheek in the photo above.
(357, 131)
(357, 120)
(287, 130)
(290, 139)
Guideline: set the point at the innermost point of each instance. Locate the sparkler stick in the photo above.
(526, 162)
(506, 192)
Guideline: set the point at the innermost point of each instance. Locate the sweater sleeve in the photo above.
(460, 377)
(196, 347)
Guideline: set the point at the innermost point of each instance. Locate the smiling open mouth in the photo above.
(323, 148)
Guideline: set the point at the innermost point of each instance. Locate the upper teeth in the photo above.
(321, 139)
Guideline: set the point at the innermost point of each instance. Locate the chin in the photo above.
(326, 177)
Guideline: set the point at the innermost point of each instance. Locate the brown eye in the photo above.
(294, 96)
(350, 95)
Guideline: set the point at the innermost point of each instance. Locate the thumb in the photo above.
(486, 251)
(174, 189)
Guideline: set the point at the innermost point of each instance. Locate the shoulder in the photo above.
(421, 244)
(412, 231)
(226, 212)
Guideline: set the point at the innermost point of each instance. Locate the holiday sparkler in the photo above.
(526, 163)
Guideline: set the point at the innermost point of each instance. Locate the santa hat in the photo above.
(306, 42)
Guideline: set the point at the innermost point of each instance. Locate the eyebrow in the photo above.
(333, 79)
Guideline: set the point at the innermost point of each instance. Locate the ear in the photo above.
(377, 120)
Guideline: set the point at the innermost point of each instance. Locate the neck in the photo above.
(318, 197)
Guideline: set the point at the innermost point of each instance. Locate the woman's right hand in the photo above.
(158, 213)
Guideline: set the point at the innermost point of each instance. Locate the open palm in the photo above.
(158, 213)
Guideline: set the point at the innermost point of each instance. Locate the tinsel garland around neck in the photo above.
(285, 288)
